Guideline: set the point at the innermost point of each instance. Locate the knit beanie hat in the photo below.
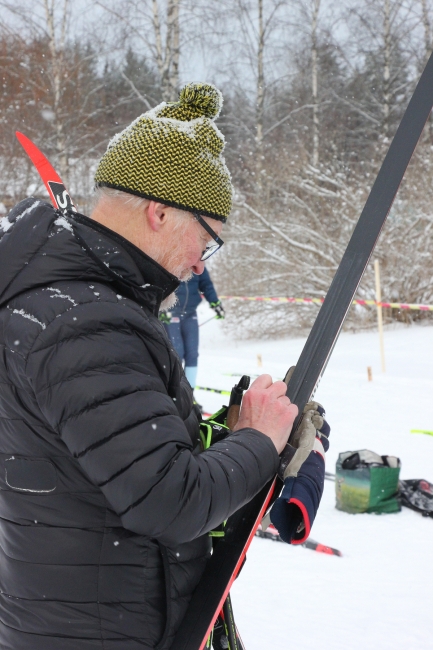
(173, 154)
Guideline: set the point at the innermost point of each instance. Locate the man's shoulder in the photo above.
(26, 206)
(68, 309)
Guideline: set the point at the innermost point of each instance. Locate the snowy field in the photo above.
(379, 595)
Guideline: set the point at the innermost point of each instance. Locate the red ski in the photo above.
(272, 533)
(60, 196)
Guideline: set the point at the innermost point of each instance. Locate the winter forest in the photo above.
(314, 91)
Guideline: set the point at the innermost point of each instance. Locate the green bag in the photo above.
(367, 482)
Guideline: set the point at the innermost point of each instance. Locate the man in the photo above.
(106, 501)
(181, 322)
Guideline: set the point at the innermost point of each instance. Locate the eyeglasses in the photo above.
(210, 248)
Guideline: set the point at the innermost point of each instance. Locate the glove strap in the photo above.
(318, 447)
(206, 434)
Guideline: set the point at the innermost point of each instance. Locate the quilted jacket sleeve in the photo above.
(98, 383)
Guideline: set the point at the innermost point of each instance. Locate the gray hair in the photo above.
(110, 193)
(133, 201)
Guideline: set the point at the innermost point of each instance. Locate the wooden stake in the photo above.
(379, 313)
(369, 373)
(259, 360)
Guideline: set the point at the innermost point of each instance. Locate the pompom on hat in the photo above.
(173, 154)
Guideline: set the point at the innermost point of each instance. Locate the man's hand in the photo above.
(294, 511)
(266, 407)
(312, 434)
(218, 309)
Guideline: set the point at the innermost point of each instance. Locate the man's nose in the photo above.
(198, 268)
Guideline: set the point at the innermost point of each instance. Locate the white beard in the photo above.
(168, 302)
(171, 300)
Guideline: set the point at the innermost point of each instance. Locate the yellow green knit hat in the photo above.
(173, 154)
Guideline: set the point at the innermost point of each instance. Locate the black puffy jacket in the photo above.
(104, 506)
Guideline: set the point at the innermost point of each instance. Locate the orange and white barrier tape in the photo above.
(319, 301)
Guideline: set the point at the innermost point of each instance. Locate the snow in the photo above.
(167, 124)
(58, 294)
(187, 127)
(379, 594)
(24, 314)
(63, 223)
(5, 224)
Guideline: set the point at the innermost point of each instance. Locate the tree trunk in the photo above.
(427, 29)
(167, 58)
(174, 53)
(260, 98)
(260, 94)
(57, 64)
(428, 47)
(386, 69)
(315, 157)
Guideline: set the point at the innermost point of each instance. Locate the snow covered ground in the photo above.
(379, 595)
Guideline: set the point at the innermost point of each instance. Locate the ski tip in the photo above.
(21, 137)
(422, 431)
(322, 548)
(28, 146)
(272, 533)
(60, 197)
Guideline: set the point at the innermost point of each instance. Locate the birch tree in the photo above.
(314, 72)
(384, 29)
(57, 43)
(426, 23)
(167, 53)
(247, 38)
(153, 29)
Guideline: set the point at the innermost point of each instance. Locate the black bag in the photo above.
(417, 494)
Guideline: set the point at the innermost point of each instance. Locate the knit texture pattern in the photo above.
(173, 154)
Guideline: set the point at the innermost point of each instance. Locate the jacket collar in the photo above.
(140, 276)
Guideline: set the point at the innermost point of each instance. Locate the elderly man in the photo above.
(106, 498)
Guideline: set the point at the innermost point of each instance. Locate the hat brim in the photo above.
(173, 204)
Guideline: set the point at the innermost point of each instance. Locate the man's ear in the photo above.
(156, 215)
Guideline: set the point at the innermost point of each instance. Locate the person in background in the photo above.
(181, 321)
